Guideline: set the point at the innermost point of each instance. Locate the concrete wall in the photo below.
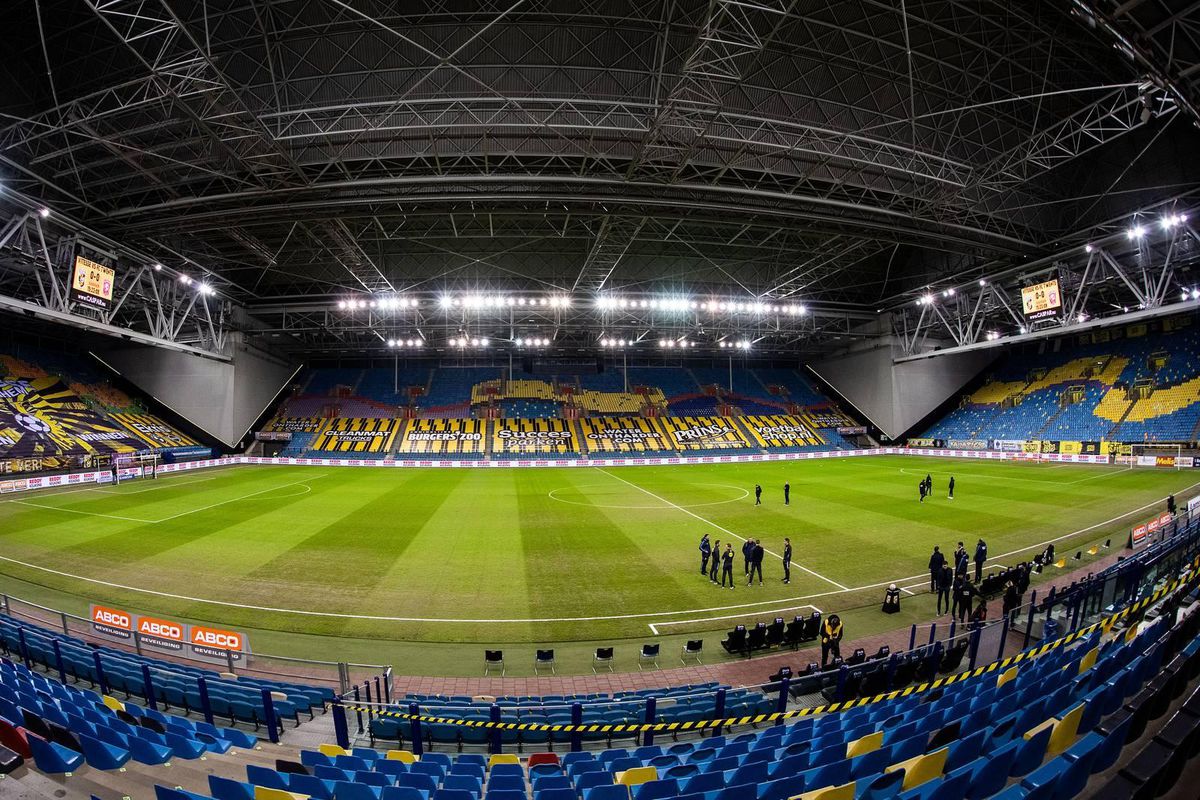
(221, 399)
(894, 397)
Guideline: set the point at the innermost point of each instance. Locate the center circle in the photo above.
(651, 503)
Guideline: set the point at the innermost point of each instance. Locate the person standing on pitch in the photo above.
(951, 487)
(705, 552)
(980, 558)
(787, 493)
(936, 562)
(928, 483)
(945, 582)
(960, 560)
(747, 549)
(757, 494)
(756, 557)
(727, 566)
(715, 563)
(831, 638)
(787, 560)
(921, 489)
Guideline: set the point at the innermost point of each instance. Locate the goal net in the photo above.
(1163, 456)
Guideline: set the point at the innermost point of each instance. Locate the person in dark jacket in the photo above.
(921, 489)
(945, 582)
(963, 597)
(787, 493)
(936, 562)
(747, 549)
(756, 559)
(727, 566)
(951, 487)
(960, 560)
(1012, 598)
(715, 563)
(787, 560)
(831, 638)
(980, 558)
(705, 552)
(757, 494)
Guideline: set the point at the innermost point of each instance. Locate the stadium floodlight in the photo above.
(1082, 317)
(1087, 248)
(1196, 294)
(205, 289)
(43, 212)
(185, 280)
(158, 267)
(950, 291)
(445, 301)
(1136, 232)
(1023, 329)
(982, 282)
(341, 305)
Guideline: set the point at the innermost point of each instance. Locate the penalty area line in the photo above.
(709, 522)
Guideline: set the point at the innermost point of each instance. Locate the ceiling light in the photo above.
(1087, 248)
(185, 280)
(158, 267)
(1136, 232)
(43, 212)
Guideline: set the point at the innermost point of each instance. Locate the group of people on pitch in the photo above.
(925, 487)
(962, 597)
(713, 557)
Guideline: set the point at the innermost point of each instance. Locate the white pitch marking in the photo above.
(755, 604)
(83, 513)
(155, 488)
(654, 626)
(745, 494)
(243, 497)
(718, 527)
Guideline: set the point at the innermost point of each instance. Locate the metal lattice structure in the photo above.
(850, 157)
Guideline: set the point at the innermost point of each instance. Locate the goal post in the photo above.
(1154, 454)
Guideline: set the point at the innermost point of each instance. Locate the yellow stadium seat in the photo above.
(502, 758)
(1131, 634)
(864, 745)
(843, 792)
(114, 703)
(636, 776)
(1089, 660)
(1062, 731)
(921, 769)
(265, 793)
(403, 756)
(1006, 676)
(332, 750)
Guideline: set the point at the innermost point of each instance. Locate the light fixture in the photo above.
(982, 282)
(43, 212)
(1136, 232)
(158, 267)
(1087, 248)
(185, 280)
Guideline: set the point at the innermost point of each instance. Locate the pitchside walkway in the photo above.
(741, 672)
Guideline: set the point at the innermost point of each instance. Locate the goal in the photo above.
(1164, 456)
(138, 465)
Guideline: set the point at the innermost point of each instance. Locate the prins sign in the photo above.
(178, 638)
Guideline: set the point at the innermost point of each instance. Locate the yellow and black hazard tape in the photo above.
(780, 716)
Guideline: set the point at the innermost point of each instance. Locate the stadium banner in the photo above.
(1032, 446)
(273, 436)
(1145, 533)
(967, 444)
(921, 442)
(851, 430)
(1070, 448)
(1008, 445)
(1193, 507)
(161, 634)
(111, 622)
(217, 645)
(198, 642)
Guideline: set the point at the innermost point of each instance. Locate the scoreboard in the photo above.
(92, 284)
(1042, 300)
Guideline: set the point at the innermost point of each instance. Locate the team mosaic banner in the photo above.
(215, 645)
(43, 417)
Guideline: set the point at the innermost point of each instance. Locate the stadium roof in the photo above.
(847, 155)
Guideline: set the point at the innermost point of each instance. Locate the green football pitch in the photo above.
(423, 567)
